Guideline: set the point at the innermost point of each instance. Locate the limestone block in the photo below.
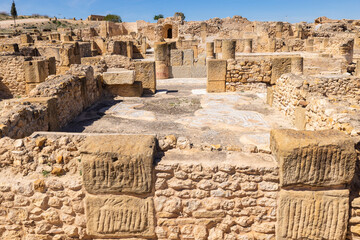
(228, 49)
(13, 48)
(313, 215)
(210, 50)
(26, 38)
(300, 118)
(280, 66)
(216, 69)
(313, 158)
(216, 86)
(52, 65)
(119, 77)
(126, 90)
(176, 57)
(119, 216)
(36, 71)
(162, 70)
(297, 65)
(161, 51)
(145, 73)
(118, 164)
(270, 96)
(188, 57)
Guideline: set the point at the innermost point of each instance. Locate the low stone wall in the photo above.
(319, 102)
(78, 86)
(23, 118)
(91, 186)
(247, 71)
(214, 200)
(12, 76)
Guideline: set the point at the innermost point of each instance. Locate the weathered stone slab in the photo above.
(313, 158)
(119, 77)
(145, 73)
(188, 57)
(176, 57)
(313, 215)
(216, 69)
(119, 216)
(215, 86)
(126, 90)
(280, 66)
(118, 164)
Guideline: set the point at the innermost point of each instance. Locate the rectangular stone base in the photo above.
(216, 86)
(125, 90)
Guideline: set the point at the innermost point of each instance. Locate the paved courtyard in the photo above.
(183, 108)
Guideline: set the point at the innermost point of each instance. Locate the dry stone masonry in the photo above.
(224, 129)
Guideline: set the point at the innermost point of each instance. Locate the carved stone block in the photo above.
(119, 216)
(319, 158)
(313, 215)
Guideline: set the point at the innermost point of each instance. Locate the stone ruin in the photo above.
(223, 129)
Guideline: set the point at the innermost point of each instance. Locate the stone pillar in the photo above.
(161, 52)
(280, 66)
(228, 49)
(35, 72)
(357, 70)
(210, 50)
(279, 29)
(315, 170)
(346, 51)
(143, 46)
(145, 73)
(309, 45)
(216, 75)
(129, 49)
(248, 46)
(272, 45)
(203, 31)
(218, 45)
(297, 65)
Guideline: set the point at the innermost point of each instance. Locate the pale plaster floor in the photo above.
(183, 108)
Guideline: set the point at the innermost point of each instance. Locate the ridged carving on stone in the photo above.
(115, 175)
(318, 165)
(313, 215)
(120, 216)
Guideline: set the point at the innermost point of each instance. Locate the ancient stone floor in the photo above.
(183, 108)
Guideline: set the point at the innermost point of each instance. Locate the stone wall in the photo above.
(12, 76)
(246, 71)
(78, 86)
(327, 102)
(71, 186)
(215, 200)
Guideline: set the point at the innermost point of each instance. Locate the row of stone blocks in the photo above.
(315, 170)
(118, 177)
(217, 69)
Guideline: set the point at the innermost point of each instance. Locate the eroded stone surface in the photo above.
(322, 158)
(313, 215)
(118, 164)
(119, 216)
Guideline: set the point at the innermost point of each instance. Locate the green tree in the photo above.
(113, 18)
(157, 17)
(13, 12)
(180, 14)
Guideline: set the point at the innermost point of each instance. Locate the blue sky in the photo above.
(132, 10)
